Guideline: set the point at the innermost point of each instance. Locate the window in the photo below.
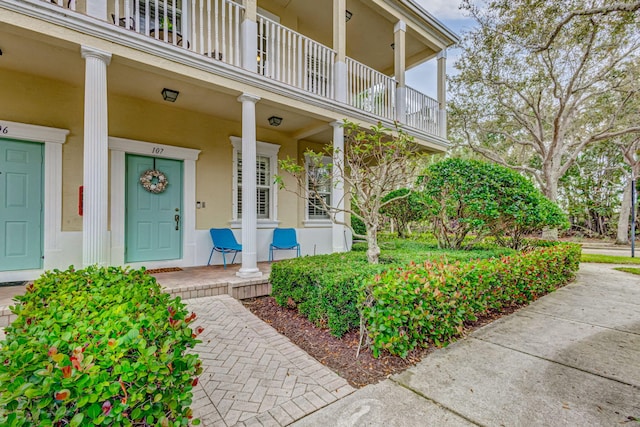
(266, 194)
(318, 182)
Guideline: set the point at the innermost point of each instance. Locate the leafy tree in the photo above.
(541, 80)
(630, 148)
(469, 197)
(377, 161)
(591, 189)
(405, 207)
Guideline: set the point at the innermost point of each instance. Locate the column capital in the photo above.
(442, 54)
(92, 52)
(400, 26)
(337, 124)
(247, 97)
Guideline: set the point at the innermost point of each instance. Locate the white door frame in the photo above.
(52, 138)
(119, 148)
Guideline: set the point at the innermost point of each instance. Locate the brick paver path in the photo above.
(252, 375)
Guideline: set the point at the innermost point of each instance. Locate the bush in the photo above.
(405, 207)
(101, 346)
(410, 307)
(464, 197)
(325, 288)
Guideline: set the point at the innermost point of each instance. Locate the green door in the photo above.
(20, 205)
(153, 228)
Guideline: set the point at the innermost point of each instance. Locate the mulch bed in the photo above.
(339, 354)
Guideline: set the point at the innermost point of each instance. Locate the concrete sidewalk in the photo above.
(571, 358)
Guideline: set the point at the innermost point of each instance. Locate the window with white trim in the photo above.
(266, 169)
(318, 187)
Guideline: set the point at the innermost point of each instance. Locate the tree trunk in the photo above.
(551, 191)
(623, 220)
(373, 250)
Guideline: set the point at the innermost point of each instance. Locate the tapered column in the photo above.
(340, 47)
(399, 66)
(337, 196)
(442, 93)
(249, 40)
(249, 203)
(96, 150)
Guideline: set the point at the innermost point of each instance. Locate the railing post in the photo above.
(399, 66)
(249, 29)
(340, 47)
(442, 93)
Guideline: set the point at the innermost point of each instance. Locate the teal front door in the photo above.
(20, 205)
(153, 228)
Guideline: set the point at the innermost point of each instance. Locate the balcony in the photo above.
(212, 28)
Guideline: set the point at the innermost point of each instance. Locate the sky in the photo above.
(423, 77)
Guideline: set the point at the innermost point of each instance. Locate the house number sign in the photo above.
(4, 129)
(157, 150)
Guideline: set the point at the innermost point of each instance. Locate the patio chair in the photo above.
(224, 242)
(284, 239)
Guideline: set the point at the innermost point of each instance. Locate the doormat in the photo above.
(163, 270)
(21, 283)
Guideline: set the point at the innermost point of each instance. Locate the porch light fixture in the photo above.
(393, 46)
(170, 94)
(347, 15)
(275, 121)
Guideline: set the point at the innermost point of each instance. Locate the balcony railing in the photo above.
(291, 58)
(370, 90)
(212, 28)
(422, 111)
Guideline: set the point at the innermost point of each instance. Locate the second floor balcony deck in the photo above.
(214, 29)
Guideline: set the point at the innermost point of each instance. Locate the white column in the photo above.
(249, 204)
(340, 46)
(442, 93)
(97, 9)
(96, 150)
(337, 197)
(399, 66)
(249, 39)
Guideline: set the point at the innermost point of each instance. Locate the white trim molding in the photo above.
(52, 138)
(119, 148)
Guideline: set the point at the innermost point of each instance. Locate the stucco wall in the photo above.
(40, 101)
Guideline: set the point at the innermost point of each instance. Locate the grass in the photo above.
(609, 259)
(632, 270)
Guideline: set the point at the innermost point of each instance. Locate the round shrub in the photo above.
(100, 346)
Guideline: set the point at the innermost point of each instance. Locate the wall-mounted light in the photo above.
(393, 46)
(347, 15)
(170, 94)
(275, 121)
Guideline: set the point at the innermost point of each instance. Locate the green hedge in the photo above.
(101, 346)
(409, 307)
(324, 288)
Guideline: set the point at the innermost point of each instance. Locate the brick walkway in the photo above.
(252, 375)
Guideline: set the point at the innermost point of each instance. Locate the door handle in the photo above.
(177, 220)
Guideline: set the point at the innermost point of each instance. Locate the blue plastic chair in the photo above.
(224, 242)
(284, 239)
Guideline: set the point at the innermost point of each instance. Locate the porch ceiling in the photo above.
(32, 54)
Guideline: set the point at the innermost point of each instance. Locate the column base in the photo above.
(247, 273)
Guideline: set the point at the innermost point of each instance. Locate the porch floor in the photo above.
(189, 283)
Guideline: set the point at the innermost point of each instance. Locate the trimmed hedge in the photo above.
(101, 346)
(409, 307)
(324, 288)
